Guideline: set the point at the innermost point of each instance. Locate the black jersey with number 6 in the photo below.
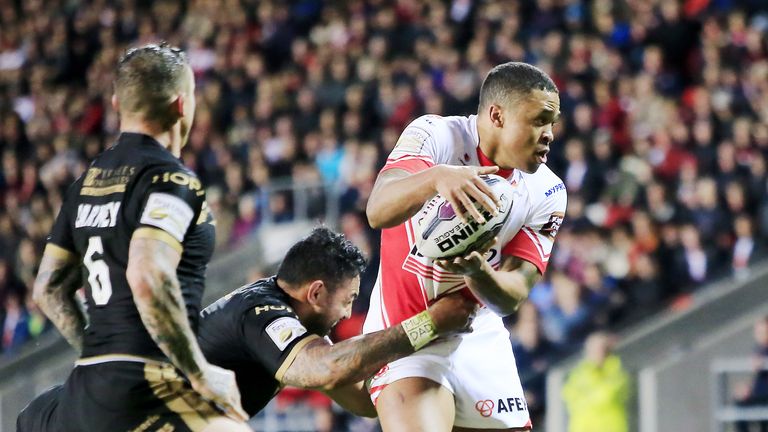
(254, 332)
(135, 188)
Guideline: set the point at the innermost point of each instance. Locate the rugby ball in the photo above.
(440, 233)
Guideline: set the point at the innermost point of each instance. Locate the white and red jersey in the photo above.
(408, 282)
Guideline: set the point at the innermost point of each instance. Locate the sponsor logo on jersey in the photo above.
(169, 213)
(97, 215)
(487, 407)
(411, 142)
(554, 189)
(551, 228)
(158, 214)
(484, 407)
(266, 308)
(106, 181)
(381, 372)
(181, 179)
(285, 330)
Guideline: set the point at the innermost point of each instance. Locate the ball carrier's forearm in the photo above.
(57, 281)
(502, 291)
(157, 294)
(398, 195)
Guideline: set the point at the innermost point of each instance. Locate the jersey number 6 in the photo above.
(98, 272)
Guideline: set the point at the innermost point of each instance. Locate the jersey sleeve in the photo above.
(61, 237)
(274, 336)
(418, 146)
(536, 238)
(170, 199)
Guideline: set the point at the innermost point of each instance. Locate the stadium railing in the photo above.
(724, 373)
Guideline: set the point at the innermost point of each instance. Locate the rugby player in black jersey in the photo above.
(135, 232)
(271, 332)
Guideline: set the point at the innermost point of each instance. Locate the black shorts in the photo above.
(102, 394)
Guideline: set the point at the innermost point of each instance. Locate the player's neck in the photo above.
(170, 139)
(295, 296)
(485, 135)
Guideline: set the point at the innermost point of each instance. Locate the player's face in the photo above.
(189, 106)
(526, 132)
(338, 304)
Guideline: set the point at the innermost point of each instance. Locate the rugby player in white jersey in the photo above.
(466, 382)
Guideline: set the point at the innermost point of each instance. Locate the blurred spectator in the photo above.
(15, 320)
(756, 394)
(569, 318)
(597, 389)
(745, 248)
(533, 356)
(693, 263)
(246, 221)
(644, 288)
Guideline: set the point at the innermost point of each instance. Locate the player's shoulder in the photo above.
(444, 131)
(167, 165)
(545, 185)
(265, 295)
(169, 175)
(434, 122)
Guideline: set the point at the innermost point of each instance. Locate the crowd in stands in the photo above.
(662, 144)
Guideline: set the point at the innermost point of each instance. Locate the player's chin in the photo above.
(531, 167)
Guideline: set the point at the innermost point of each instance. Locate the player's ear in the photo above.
(497, 117)
(177, 106)
(115, 103)
(315, 291)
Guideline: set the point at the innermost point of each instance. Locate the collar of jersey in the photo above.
(484, 161)
(139, 137)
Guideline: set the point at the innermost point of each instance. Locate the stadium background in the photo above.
(662, 144)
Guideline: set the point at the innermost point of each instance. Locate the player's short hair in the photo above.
(507, 82)
(322, 255)
(147, 79)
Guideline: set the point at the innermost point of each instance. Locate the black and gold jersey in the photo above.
(135, 188)
(254, 332)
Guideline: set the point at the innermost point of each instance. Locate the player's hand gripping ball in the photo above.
(440, 233)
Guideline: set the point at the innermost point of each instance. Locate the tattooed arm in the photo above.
(151, 274)
(321, 365)
(152, 277)
(325, 366)
(58, 278)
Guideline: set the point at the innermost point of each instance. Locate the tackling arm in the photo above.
(321, 365)
(324, 366)
(58, 278)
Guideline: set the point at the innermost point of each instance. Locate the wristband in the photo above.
(420, 330)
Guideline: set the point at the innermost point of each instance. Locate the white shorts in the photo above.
(478, 368)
